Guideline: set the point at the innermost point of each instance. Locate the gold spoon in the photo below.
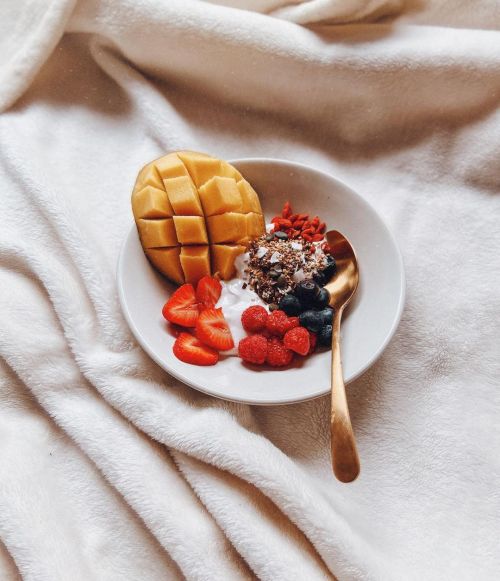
(345, 460)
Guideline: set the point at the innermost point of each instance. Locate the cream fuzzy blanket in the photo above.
(111, 470)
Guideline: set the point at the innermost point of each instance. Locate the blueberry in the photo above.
(320, 278)
(281, 235)
(325, 336)
(311, 320)
(326, 316)
(291, 305)
(306, 291)
(331, 267)
(322, 300)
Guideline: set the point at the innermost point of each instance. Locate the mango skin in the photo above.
(195, 213)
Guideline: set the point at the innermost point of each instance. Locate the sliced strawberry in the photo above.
(189, 349)
(213, 330)
(182, 307)
(208, 291)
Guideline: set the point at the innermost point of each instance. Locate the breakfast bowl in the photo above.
(369, 322)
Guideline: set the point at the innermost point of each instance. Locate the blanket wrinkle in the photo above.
(101, 446)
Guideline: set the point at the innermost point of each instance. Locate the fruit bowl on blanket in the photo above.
(369, 323)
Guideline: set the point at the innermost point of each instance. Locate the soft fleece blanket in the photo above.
(112, 470)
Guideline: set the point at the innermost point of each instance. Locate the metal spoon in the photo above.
(345, 460)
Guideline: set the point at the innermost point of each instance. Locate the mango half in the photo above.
(195, 214)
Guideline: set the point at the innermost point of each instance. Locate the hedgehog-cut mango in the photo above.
(195, 214)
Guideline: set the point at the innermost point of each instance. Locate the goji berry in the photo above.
(298, 223)
(317, 237)
(303, 217)
(293, 217)
(322, 227)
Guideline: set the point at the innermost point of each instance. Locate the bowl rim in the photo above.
(297, 399)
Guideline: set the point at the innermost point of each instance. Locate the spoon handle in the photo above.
(345, 460)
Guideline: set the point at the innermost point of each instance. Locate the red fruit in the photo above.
(182, 308)
(208, 291)
(291, 323)
(253, 349)
(297, 340)
(277, 354)
(277, 323)
(213, 330)
(254, 319)
(312, 340)
(189, 349)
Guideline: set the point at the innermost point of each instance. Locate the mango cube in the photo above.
(195, 261)
(148, 176)
(183, 196)
(223, 256)
(170, 166)
(151, 202)
(249, 198)
(157, 233)
(228, 171)
(220, 195)
(229, 227)
(167, 261)
(255, 225)
(190, 229)
(200, 167)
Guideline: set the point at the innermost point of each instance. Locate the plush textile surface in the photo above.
(110, 469)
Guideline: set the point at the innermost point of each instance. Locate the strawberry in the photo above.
(254, 319)
(182, 308)
(297, 340)
(208, 292)
(253, 349)
(189, 349)
(213, 330)
(277, 354)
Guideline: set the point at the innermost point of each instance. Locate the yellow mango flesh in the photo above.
(195, 262)
(200, 167)
(151, 203)
(223, 256)
(220, 195)
(157, 233)
(194, 214)
(148, 176)
(249, 197)
(190, 230)
(255, 225)
(170, 166)
(183, 196)
(229, 227)
(167, 261)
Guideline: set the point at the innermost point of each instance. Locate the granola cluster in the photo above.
(275, 265)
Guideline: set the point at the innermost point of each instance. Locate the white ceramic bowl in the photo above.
(369, 322)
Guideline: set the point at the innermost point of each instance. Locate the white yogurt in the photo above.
(234, 299)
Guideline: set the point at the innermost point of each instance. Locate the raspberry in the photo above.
(277, 323)
(291, 323)
(312, 340)
(277, 354)
(253, 349)
(254, 319)
(297, 340)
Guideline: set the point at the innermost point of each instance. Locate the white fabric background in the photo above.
(112, 470)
